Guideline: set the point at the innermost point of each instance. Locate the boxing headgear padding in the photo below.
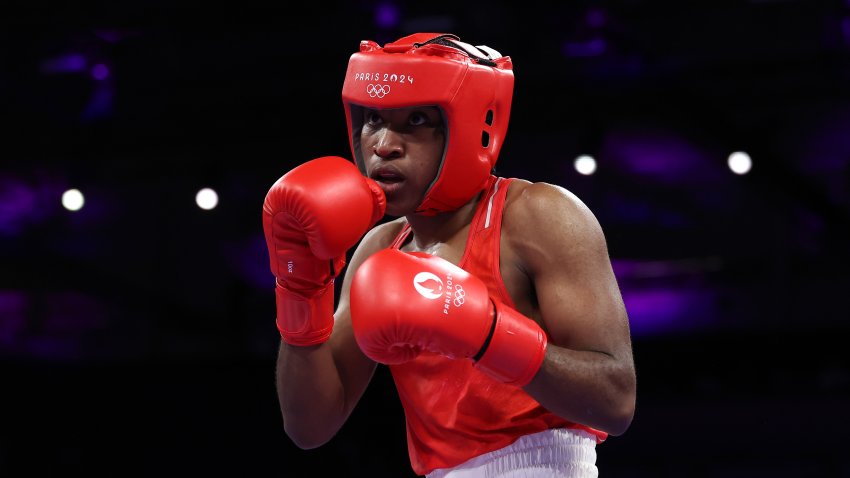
(472, 87)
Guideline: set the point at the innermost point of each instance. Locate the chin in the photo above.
(398, 210)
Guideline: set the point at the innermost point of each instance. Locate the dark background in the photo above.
(137, 335)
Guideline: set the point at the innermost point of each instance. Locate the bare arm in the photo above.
(318, 386)
(588, 374)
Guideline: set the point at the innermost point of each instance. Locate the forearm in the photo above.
(310, 393)
(590, 388)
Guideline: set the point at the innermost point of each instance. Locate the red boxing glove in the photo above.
(312, 215)
(404, 303)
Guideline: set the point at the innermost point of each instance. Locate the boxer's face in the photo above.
(402, 149)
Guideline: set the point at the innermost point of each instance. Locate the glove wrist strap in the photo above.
(516, 350)
(304, 321)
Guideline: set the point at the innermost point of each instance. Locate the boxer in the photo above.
(492, 300)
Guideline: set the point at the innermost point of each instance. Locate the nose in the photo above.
(389, 144)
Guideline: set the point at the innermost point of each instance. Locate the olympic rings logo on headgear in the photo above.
(377, 91)
(460, 296)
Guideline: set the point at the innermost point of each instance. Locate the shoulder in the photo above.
(538, 198)
(543, 219)
(544, 203)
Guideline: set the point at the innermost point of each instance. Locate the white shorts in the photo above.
(558, 452)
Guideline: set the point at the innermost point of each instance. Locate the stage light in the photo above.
(585, 165)
(73, 200)
(740, 162)
(206, 199)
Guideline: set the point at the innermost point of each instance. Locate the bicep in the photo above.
(566, 257)
(581, 306)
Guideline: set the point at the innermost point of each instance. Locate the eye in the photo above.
(418, 119)
(372, 118)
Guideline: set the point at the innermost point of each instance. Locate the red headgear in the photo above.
(472, 87)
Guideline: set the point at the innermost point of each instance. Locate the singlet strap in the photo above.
(488, 213)
(401, 237)
(483, 246)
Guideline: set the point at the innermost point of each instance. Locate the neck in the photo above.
(429, 231)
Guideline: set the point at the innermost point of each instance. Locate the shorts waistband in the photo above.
(556, 452)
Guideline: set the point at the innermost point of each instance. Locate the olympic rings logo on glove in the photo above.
(460, 296)
(377, 91)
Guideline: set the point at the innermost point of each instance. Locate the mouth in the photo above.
(388, 178)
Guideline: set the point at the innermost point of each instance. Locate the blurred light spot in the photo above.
(73, 200)
(673, 309)
(740, 162)
(99, 72)
(660, 155)
(100, 104)
(17, 204)
(70, 63)
(206, 199)
(386, 15)
(588, 48)
(585, 164)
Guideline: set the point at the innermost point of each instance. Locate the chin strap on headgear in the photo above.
(471, 85)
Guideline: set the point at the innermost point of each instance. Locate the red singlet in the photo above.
(453, 411)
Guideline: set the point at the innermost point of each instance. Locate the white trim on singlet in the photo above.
(490, 203)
